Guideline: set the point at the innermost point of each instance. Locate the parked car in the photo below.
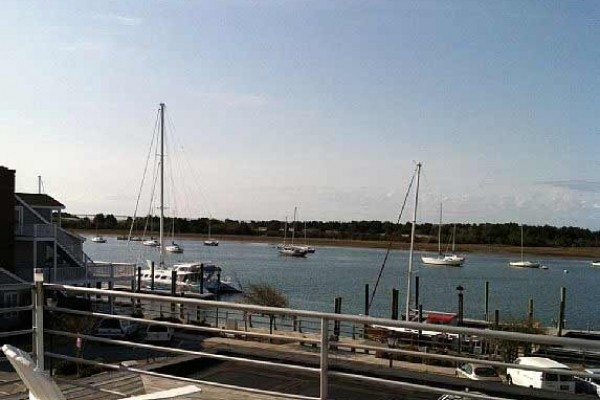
(459, 397)
(159, 333)
(549, 380)
(115, 329)
(587, 384)
(478, 372)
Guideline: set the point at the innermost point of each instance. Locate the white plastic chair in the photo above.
(42, 387)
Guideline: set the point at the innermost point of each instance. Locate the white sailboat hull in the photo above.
(524, 264)
(451, 260)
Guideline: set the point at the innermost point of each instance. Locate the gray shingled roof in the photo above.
(40, 200)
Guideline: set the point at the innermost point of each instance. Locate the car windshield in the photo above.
(485, 371)
(157, 328)
(110, 324)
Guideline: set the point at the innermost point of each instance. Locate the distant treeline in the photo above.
(485, 233)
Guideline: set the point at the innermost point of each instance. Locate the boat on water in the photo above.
(98, 239)
(524, 263)
(291, 249)
(210, 241)
(174, 248)
(451, 260)
(151, 243)
(190, 277)
(193, 276)
(596, 263)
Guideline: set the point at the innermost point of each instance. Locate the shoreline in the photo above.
(569, 252)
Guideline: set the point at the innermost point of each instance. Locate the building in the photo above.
(31, 235)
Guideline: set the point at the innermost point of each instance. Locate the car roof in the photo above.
(541, 362)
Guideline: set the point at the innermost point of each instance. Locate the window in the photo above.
(551, 377)
(10, 300)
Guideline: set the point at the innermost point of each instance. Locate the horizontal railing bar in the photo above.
(461, 359)
(18, 287)
(181, 351)
(179, 325)
(178, 378)
(415, 386)
(16, 333)
(512, 336)
(15, 309)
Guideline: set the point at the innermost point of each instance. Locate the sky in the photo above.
(321, 105)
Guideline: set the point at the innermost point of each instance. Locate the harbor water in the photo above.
(313, 282)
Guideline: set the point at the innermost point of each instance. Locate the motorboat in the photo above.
(524, 264)
(174, 248)
(151, 243)
(294, 251)
(596, 263)
(190, 277)
(98, 239)
(449, 259)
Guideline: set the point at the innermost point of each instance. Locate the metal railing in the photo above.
(326, 336)
(36, 230)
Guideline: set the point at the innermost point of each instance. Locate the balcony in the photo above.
(37, 231)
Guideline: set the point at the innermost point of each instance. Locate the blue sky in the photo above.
(321, 105)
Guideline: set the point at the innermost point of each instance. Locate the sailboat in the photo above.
(98, 238)
(291, 249)
(150, 242)
(452, 260)
(173, 247)
(210, 241)
(192, 276)
(523, 263)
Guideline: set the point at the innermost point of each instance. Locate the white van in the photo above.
(159, 333)
(115, 328)
(548, 380)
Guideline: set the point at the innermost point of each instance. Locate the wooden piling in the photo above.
(486, 304)
(395, 293)
(561, 310)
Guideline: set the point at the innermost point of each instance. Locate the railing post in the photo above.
(38, 315)
(324, 358)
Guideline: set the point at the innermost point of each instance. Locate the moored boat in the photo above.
(451, 260)
(98, 239)
(174, 248)
(524, 263)
(596, 263)
(190, 277)
(151, 243)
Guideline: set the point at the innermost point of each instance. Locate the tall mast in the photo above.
(412, 244)
(453, 238)
(521, 243)
(440, 232)
(294, 225)
(162, 182)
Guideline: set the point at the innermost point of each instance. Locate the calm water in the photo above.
(313, 283)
